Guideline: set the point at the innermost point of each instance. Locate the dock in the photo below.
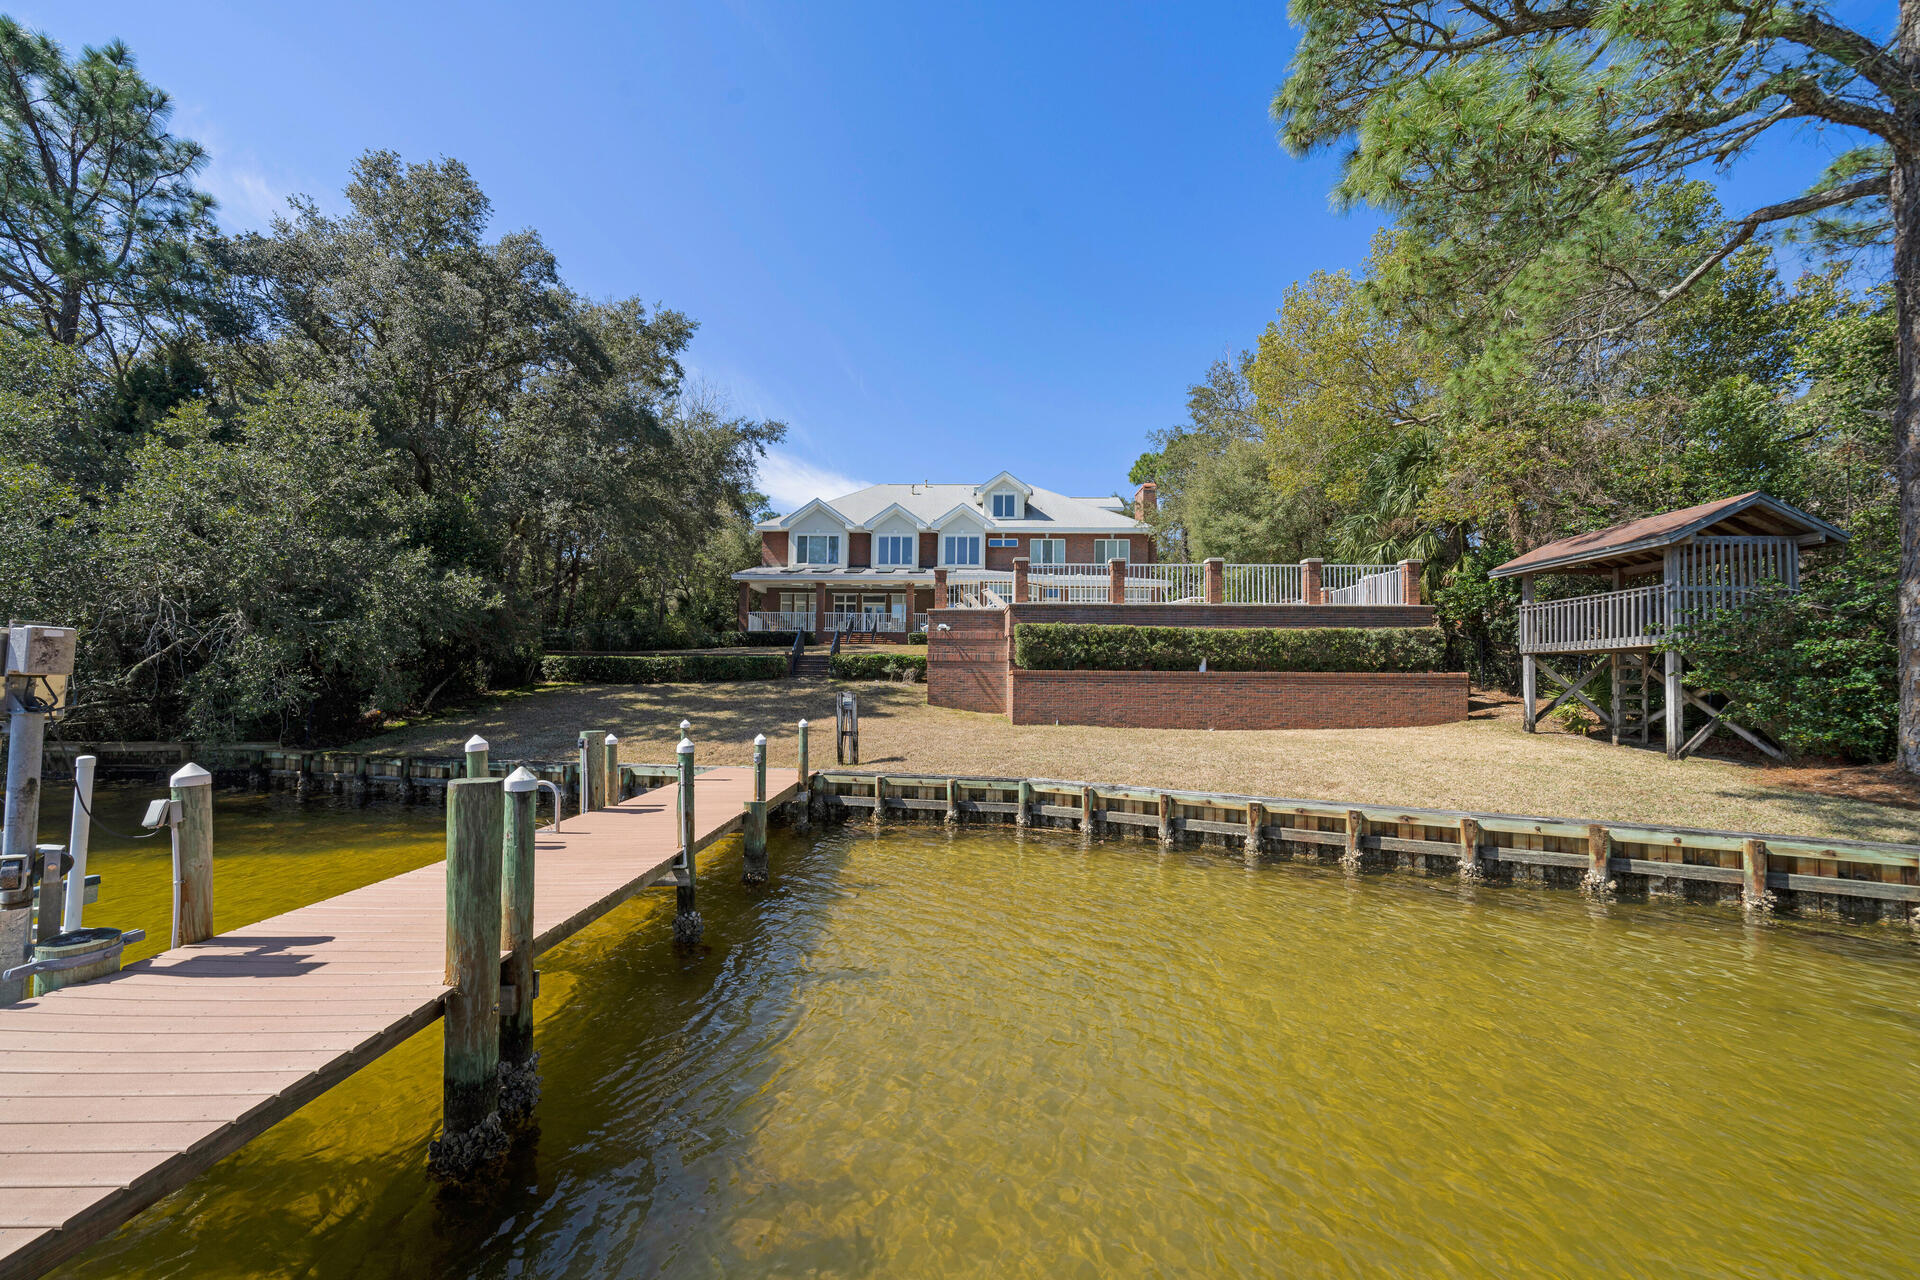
(129, 1087)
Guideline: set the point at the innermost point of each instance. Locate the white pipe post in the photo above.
(26, 739)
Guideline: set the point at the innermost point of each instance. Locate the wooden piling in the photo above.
(1599, 853)
(953, 800)
(1256, 819)
(593, 768)
(192, 789)
(1023, 804)
(753, 835)
(519, 1076)
(1086, 811)
(1469, 849)
(470, 1093)
(477, 765)
(687, 925)
(1753, 878)
(803, 794)
(1166, 818)
(614, 791)
(1356, 831)
(879, 799)
(760, 766)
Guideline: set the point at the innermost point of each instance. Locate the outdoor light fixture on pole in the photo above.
(39, 664)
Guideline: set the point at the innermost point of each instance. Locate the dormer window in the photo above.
(816, 548)
(1005, 506)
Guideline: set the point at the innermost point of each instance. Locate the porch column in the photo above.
(819, 610)
(1310, 592)
(1020, 579)
(1529, 672)
(746, 603)
(1116, 582)
(1409, 582)
(1215, 570)
(908, 622)
(939, 588)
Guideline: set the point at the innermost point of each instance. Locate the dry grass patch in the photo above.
(1486, 763)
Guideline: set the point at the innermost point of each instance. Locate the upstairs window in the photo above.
(963, 550)
(1047, 551)
(1005, 506)
(892, 550)
(816, 548)
(1105, 549)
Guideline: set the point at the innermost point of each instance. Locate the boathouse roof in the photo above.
(1629, 546)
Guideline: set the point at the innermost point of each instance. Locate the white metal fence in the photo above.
(1361, 584)
(980, 592)
(1166, 584)
(1263, 584)
(1068, 583)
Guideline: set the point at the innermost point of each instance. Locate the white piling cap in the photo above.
(190, 775)
(685, 726)
(612, 741)
(476, 743)
(803, 724)
(686, 747)
(522, 779)
(759, 739)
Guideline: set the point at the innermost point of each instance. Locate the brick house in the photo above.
(873, 553)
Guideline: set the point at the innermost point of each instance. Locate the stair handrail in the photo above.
(793, 658)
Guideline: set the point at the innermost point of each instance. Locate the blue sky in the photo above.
(937, 241)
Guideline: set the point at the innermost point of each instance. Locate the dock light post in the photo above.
(477, 757)
(39, 660)
(687, 925)
(192, 855)
(753, 825)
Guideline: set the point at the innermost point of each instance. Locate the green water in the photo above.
(972, 1054)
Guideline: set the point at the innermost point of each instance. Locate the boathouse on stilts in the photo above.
(1665, 572)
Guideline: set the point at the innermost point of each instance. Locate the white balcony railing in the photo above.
(1632, 619)
(1263, 584)
(1361, 584)
(868, 623)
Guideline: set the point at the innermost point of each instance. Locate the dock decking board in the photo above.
(144, 1080)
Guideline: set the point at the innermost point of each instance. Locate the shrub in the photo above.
(591, 668)
(772, 639)
(916, 637)
(1070, 646)
(878, 666)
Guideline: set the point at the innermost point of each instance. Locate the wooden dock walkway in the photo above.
(124, 1089)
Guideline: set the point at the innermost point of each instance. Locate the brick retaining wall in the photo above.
(1232, 699)
(1227, 615)
(969, 655)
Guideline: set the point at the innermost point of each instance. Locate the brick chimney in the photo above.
(1146, 501)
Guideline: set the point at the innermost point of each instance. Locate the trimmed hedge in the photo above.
(1073, 646)
(878, 666)
(690, 667)
(772, 639)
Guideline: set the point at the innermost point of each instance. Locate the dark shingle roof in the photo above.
(1751, 514)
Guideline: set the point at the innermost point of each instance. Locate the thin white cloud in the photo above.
(790, 482)
(249, 199)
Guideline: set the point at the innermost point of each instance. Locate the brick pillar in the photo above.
(1020, 579)
(1410, 582)
(1310, 592)
(1215, 570)
(908, 624)
(939, 588)
(1116, 582)
(819, 609)
(746, 603)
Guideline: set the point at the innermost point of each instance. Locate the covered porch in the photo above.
(882, 605)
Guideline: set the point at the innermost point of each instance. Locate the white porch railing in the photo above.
(1361, 584)
(776, 620)
(867, 623)
(1632, 619)
(1263, 584)
(980, 592)
(1068, 583)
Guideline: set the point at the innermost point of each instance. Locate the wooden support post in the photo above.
(593, 758)
(192, 790)
(1023, 804)
(1356, 829)
(753, 832)
(879, 799)
(953, 800)
(1753, 877)
(615, 793)
(1676, 707)
(1599, 857)
(477, 766)
(1469, 849)
(303, 780)
(1616, 692)
(759, 766)
(804, 795)
(1256, 819)
(687, 925)
(519, 1074)
(1529, 670)
(1086, 811)
(1166, 818)
(470, 1132)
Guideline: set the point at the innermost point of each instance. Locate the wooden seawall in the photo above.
(128, 1087)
